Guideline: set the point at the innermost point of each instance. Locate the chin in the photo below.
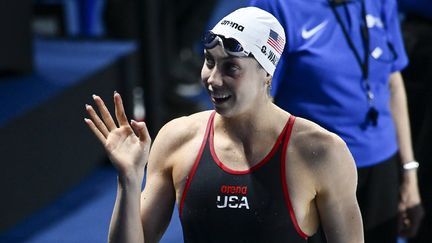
(224, 111)
(227, 112)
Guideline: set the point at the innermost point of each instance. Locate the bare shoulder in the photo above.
(322, 152)
(178, 135)
(328, 171)
(310, 138)
(183, 128)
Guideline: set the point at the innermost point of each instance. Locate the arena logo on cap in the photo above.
(233, 25)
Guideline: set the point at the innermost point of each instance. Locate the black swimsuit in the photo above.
(224, 205)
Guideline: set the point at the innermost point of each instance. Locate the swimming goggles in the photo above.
(231, 45)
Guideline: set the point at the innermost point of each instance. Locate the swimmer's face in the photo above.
(235, 84)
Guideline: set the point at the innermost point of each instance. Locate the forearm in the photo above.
(126, 225)
(400, 115)
(409, 189)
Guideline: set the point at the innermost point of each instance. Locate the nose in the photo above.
(215, 77)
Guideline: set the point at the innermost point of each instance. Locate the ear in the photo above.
(268, 78)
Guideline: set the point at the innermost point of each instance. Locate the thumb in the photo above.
(141, 130)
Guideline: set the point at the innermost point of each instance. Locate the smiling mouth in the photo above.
(220, 98)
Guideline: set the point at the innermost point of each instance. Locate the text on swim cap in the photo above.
(233, 25)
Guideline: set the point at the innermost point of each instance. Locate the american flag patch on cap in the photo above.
(276, 41)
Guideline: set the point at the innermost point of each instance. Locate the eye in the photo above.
(209, 61)
(230, 68)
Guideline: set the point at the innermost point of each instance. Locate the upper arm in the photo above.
(395, 82)
(336, 194)
(398, 99)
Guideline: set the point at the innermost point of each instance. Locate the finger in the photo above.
(415, 215)
(97, 121)
(402, 206)
(95, 130)
(119, 110)
(106, 116)
(403, 224)
(141, 129)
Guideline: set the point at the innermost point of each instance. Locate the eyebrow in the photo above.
(229, 57)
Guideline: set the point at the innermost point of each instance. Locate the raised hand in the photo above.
(127, 144)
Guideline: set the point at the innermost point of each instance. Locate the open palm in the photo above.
(127, 144)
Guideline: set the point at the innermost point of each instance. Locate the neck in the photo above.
(249, 125)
